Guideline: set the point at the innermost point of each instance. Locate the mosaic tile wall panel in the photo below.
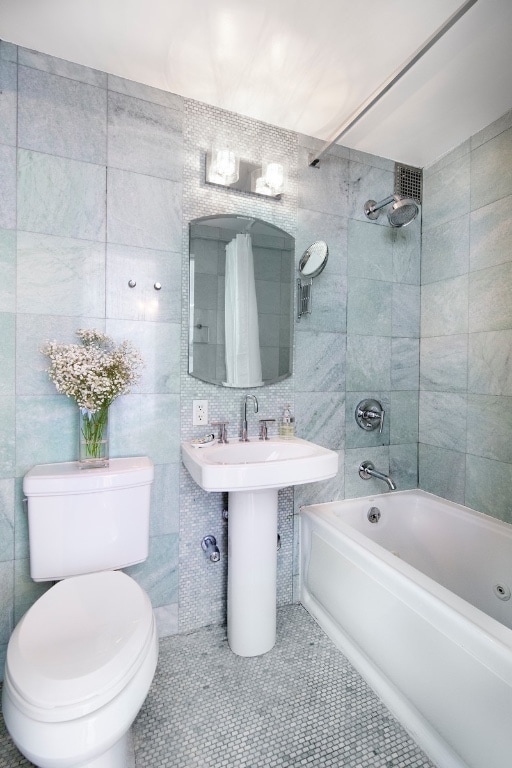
(202, 583)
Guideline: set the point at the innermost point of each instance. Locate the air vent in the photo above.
(408, 181)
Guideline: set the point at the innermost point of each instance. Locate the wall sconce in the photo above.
(225, 169)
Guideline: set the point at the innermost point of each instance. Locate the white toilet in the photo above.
(81, 661)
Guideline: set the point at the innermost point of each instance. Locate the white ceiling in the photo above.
(304, 65)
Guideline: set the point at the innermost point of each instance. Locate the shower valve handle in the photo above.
(370, 415)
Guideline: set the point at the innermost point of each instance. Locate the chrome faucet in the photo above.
(244, 438)
(367, 470)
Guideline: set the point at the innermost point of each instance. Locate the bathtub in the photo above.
(419, 602)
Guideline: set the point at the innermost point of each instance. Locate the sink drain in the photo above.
(501, 591)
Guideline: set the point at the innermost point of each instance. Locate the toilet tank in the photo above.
(86, 520)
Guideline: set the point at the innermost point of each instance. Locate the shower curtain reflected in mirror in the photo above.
(243, 360)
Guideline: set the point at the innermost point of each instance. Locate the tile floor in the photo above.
(301, 704)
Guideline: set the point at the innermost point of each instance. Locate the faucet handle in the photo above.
(370, 415)
(223, 432)
(379, 416)
(263, 428)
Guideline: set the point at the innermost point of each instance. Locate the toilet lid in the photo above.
(81, 641)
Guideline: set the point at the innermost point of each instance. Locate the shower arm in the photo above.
(383, 203)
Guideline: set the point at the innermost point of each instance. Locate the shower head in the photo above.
(402, 212)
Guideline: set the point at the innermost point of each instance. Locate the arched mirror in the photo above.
(241, 301)
(312, 263)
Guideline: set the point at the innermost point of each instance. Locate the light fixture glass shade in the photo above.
(224, 166)
(260, 185)
(273, 173)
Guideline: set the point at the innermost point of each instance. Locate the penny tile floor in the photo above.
(301, 704)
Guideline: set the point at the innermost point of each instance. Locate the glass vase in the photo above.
(93, 438)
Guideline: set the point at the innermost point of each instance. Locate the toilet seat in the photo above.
(78, 645)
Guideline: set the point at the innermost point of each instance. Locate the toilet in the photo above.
(81, 660)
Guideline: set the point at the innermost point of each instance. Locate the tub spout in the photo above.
(367, 470)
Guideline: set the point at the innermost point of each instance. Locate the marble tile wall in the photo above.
(466, 324)
(91, 197)
(99, 178)
(362, 338)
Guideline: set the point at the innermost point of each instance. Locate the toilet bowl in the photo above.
(79, 666)
(81, 660)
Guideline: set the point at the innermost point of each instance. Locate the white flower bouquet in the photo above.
(93, 373)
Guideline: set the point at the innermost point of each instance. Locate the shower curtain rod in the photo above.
(391, 80)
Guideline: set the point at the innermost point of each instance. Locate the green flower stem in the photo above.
(93, 428)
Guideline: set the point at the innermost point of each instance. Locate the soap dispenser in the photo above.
(287, 424)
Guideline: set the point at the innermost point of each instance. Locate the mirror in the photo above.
(312, 263)
(314, 259)
(241, 301)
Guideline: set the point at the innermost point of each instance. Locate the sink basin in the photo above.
(258, 464)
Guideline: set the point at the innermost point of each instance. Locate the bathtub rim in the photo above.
(482, 517)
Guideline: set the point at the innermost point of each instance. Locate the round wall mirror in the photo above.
(314, 259)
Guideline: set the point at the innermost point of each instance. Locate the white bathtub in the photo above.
(414, 602)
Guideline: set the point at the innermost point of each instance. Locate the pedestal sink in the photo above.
(252, 474)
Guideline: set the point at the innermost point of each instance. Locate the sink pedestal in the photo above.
(252, 568)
